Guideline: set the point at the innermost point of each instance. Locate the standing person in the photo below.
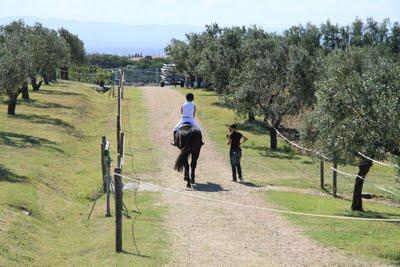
(235, 139)
(188, 114)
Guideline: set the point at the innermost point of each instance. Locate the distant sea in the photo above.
(114, 38)
(119, 39)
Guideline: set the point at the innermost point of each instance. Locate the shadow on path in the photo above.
(250, 184)
(208, 187)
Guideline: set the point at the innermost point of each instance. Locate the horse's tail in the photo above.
(182, 159)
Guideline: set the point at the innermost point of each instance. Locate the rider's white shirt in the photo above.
(187, 116)
(187, 110)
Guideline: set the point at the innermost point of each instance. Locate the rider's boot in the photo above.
(173, 139)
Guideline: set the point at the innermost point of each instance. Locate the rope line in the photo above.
(378, 162)
(334, 169)
(166, 189)
(297, 145)
(348, 174)
(387, 190)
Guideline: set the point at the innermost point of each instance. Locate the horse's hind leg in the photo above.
(186, 173)
(193, 166)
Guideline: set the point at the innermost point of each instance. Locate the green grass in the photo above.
(281, 168)
(296, 172)
(52, 169)
(141, 154)
(373, 239)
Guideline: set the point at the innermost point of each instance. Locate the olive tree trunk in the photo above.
(35, 85)
(251, 116)
(363, 169)
(12, 104)
(46, 79)
(273, 138)
(53, 75)
(273, 125)
(64, 73)
(24, 91)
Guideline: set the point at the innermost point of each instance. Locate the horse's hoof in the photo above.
(192, 181)
(188, 185)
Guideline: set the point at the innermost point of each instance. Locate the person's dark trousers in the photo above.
(235, 156)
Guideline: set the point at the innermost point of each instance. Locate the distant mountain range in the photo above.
(119, 39)
(114, 38)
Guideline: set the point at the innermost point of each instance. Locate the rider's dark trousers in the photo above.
(235, 156)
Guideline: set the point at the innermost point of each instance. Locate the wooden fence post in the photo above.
(118, 210)
(118, 133)
(119, 127)
(122, 83)
(121, 152)
(334, 179)
(108, 180)
(103, 166)
(321, 170)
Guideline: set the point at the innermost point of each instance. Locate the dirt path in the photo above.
(206, 233)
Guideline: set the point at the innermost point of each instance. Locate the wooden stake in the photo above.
(118, 133)
(122, 82)
(118, 210)
(334, 179)
(108, 191)
(103, 166)
(121, 152)
(322, 178)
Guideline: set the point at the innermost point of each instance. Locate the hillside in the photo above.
(50, 174)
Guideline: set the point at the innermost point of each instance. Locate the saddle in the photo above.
(186, 126)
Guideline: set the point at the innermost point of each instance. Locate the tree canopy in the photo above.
(26, 52)
(344, 80)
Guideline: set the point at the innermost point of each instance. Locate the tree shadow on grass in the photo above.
(256, 128)
(208, 187)
(6, 175)
(374, 214)
(45, 119)
(222, 105)
(278, 153)
(24, 141)
(395, 257)
(54, 92)
(38, 104)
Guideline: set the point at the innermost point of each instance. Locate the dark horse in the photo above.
(189, 140)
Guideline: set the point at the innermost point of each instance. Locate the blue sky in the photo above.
(267, 13)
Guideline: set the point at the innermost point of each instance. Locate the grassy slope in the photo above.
(52, 169)
(289, 169)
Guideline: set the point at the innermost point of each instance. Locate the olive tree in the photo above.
(20, 30)
(177, 50)
(357, 110)
(50, 52)
(76, 49)
(15, 65)
(262, 83)
(307, 37)
(221, 59)
(394, 42)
